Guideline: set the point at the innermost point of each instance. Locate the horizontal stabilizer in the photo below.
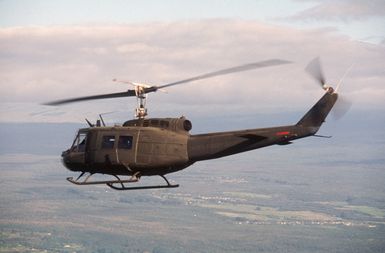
(284, 143)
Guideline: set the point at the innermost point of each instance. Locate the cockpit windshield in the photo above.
(79, 144)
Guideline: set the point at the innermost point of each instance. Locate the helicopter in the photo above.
(159, 146)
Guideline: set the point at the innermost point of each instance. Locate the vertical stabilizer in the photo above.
(317, 114)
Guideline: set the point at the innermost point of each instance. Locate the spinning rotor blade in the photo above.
(342, 106)
(342, 78)
(240, 68)
(145, 90)
(315, 70)
(128, 93)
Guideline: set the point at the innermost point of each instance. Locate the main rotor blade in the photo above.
(128, 93)
(241, 68)
(315, 70)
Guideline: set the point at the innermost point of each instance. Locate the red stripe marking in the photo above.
(283, 133)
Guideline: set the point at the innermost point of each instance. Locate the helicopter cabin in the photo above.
(142, 144)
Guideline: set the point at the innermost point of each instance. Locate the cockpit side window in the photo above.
(79, 144)
(125, 142)
(108, 141)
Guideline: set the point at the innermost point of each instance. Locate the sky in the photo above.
(58, 49)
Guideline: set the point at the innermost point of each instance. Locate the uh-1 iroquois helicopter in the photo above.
(158, 146)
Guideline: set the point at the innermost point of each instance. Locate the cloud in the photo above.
(40, 64)
(344, 10)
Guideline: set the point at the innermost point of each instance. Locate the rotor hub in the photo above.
(328, 88)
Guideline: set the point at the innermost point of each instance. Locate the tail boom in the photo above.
(215, 145)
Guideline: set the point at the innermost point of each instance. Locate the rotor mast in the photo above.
(141, 96)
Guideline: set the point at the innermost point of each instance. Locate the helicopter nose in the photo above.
(65, 153)
(66, 159)
(66, 156)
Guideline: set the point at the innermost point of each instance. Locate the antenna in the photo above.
(101, 119)
(89, 123)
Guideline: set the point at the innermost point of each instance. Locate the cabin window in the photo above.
(154, 123)
(164, 124)
(125, 142)
(108, 141)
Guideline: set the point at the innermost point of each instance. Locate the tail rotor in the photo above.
(314, 69)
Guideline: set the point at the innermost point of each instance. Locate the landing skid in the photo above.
(121, 187)
(124, 188)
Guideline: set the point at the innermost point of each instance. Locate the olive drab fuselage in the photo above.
(150, 146)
